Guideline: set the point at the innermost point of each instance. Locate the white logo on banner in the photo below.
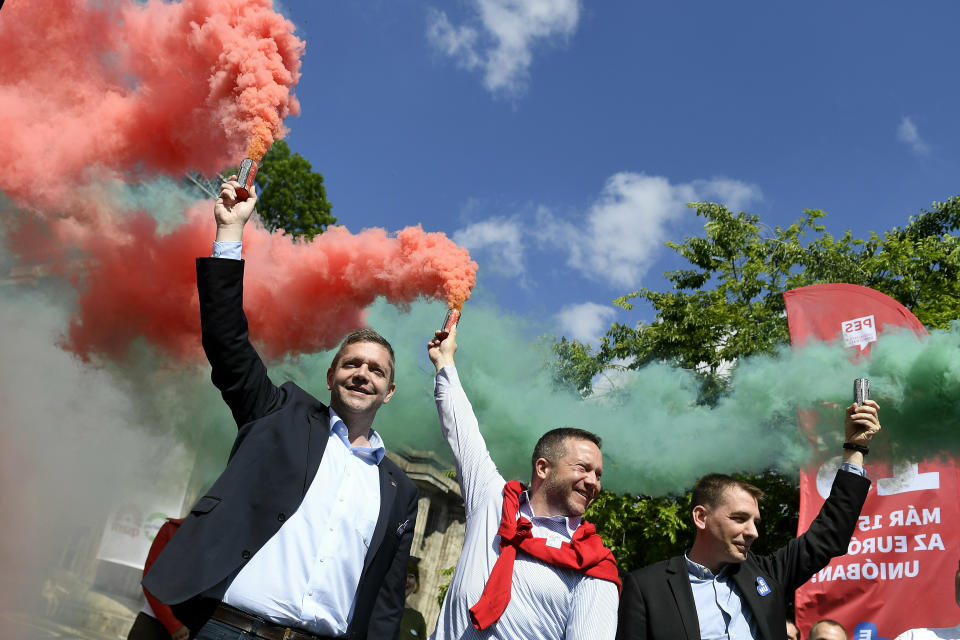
(859, 332)
(906, 478)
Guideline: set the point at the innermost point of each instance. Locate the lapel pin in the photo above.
(762, 587)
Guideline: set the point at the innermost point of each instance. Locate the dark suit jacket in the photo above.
(657, 601)
(282, 435)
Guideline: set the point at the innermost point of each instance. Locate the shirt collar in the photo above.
(371, 455)
(526, 509)
(701, 572)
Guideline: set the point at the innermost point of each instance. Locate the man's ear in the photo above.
(541, 468)
(330, 379)
(700, 517)
(393, 388)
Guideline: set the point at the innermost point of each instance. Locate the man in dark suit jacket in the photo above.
(718, 586)
(307, 532)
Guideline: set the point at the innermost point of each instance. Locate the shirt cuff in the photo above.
(227, 249)
(853, 468)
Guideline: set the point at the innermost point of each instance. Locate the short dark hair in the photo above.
(830, 622)
(413, 566)
(365, 335)
(709, 489)
(552, 444)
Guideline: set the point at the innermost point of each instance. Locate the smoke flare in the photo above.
(300, 298)
(657, 439)
(90, 88)
(123, 90)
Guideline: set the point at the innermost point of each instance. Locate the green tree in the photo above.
(291, 195)
(727, 303)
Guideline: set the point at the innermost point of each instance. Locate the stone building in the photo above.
(438, 537)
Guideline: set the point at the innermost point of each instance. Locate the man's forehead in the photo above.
(571, 443)
(581, 448)
(365, 349)
(736, 498)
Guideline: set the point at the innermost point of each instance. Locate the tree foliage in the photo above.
(291, 196)
(727, 303)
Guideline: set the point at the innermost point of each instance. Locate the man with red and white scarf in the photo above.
(531, 567)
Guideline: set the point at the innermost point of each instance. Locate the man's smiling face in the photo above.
(731, 526)
(573, 481)
(360, 381)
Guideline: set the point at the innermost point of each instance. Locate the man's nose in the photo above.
(751, 531)
(361, 372)
(593, 481)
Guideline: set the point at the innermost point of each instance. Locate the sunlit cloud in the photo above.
(586, 322)
(500, 39)
(908, 134)
(624, 231)
(496, 243)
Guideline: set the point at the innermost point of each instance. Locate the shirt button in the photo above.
(245, 555)
(281, 517)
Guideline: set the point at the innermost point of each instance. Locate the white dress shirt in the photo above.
(547, 602)
(307, 574)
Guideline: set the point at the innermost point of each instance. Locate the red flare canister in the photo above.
(248, 171)
(450, 321)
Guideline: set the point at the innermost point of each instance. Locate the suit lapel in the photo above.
(745, 577)
(388, 493)
(683, 596)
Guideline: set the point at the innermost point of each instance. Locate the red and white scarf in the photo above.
(585, 553)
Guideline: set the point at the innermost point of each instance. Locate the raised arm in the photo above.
(829, 533)
(476, 471)
(238, 370)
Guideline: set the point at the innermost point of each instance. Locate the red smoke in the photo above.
(90, 87)
(95, 93)
(299, 297)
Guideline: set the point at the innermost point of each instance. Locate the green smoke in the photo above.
(656, 438)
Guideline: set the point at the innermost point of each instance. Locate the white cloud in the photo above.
(586, 322)
(624, 230)
(501, 38)
(615, 241)
(736, 195)
(501, 239)
(908, 134)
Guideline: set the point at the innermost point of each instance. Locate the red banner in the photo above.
(899, 570)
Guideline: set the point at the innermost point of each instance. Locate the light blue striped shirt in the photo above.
(548, 602)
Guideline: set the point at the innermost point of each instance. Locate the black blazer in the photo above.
(657, 601)
(282, 435)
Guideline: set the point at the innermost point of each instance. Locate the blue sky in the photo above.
(559, 140)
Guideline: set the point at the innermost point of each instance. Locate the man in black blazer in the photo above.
(718, 588)
(306, 533)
